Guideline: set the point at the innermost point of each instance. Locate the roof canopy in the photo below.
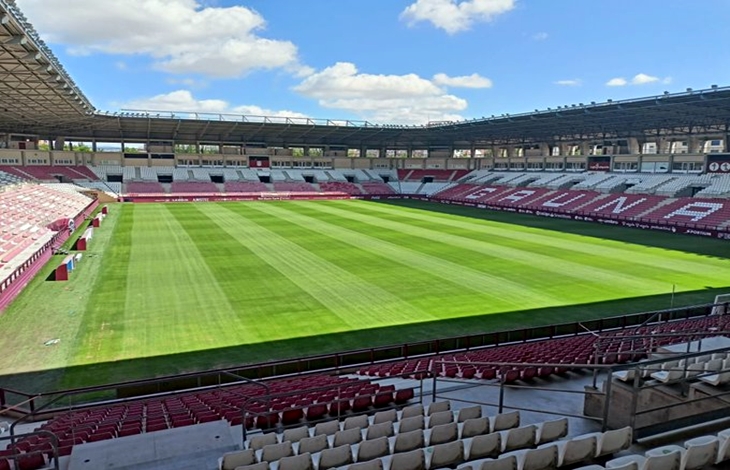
(38, 97)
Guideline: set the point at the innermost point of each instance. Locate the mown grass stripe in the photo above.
(509, 292)
(357, 303)
(257, 290)
(626, 282)
(679, 261)
(423, 290)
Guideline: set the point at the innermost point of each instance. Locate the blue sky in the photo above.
(385, 61)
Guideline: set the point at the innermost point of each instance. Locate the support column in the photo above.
(585, 148)
(58, 144)
(694, 144)
(634, 146)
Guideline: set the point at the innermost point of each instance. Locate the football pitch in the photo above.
(171, 288)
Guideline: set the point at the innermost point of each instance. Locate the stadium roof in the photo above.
(35, 90)
(690, 112)
(38, 97)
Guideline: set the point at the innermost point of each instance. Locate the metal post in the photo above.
(607, 402)
(501, 392)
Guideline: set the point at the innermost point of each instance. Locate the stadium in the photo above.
(537, 291)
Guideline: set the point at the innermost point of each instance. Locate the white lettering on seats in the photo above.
(555, 202)
(690, 210)
(482, 192)
(619, 206)
(518, 195)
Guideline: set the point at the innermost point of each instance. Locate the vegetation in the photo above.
(171, 288)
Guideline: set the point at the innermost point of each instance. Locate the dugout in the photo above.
(64, 268)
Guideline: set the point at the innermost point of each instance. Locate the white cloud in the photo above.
(120, 65)
(569, 82)
(642, 79)
(455, 15)
(183, 101)
(181, 36)
(618, 81)
(638, 79)
(465, 81)
(405, 99)
(540, 36)
(187, 82)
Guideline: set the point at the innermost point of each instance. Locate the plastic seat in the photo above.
(413, 460)
(348, 437)
(231, 460)
(446, 455)
(379, 430)
(297, 462)
(335, 457)
(373, 448)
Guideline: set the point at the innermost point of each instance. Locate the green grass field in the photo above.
(181, 287)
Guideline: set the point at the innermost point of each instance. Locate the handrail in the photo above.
(54, 445)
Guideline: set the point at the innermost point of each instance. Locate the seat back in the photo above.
(407, 441)
(550, 431)
(519, 438)
(296, 434)
(485, 445)
(378, 430)
(475, 427)
(274, 452)
(376, 464)
(614, 441)
(413, 460)
(313, 444)
(447, 455)
(328, 427)
(412, 423)
(385, 416)
(372, 449)
(443, 433)
(542, 458)
(438, 407)
(296, 462)
(670, 461)
(578, 449)
(412, 410)
(239, 458)
(508, 420)
(335, 457)
(701, 452)
(350, 436)
(259, 442)
(355, 422)
(471, 412)
(508, 462)
(441, 417)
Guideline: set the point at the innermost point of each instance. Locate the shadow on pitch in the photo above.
(429, 334)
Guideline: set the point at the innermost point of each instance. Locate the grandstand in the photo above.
(392, 358)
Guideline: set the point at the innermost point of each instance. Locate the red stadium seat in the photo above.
(402, 396)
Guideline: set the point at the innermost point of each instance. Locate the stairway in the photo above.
(668, 200)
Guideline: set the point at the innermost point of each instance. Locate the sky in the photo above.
(382, 61)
